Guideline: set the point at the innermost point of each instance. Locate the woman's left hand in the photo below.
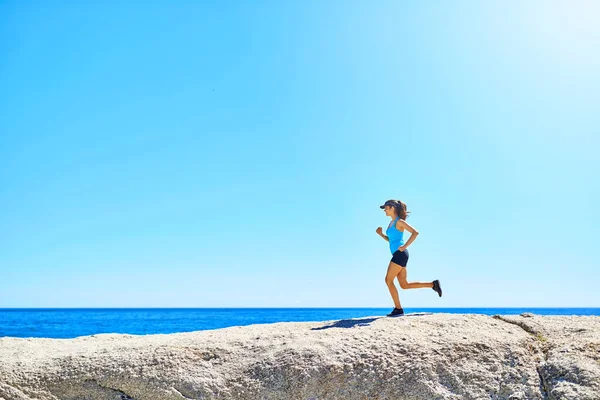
(401, 248)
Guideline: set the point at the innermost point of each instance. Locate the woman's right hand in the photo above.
(379, 230)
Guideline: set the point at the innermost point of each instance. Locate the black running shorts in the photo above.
(400, 257)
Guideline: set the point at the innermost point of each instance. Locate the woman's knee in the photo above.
(404, 284)
(389, 280)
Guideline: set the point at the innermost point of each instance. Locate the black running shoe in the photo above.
(396, 312)
(437, 287)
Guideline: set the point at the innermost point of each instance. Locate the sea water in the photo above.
(74, 322)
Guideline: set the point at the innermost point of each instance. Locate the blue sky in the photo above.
(210, 154)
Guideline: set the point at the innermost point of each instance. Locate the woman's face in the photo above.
(388, 211)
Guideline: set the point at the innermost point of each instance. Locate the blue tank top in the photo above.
(394, 236)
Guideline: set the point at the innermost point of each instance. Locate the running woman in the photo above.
(396, 210)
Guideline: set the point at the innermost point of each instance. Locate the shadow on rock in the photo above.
(348, 323)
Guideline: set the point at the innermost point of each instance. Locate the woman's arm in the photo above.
(379, 232)
(413, 233)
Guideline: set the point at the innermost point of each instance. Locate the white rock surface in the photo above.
(440, 356)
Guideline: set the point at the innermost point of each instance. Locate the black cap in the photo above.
(388, 203)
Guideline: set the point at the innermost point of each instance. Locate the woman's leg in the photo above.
(413, 285)
(392, 272)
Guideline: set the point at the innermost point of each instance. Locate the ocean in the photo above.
(62, 323)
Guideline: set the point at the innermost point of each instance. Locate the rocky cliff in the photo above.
(440, 356)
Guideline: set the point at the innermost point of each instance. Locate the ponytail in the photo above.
(401, 209)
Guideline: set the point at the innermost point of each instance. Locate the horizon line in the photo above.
(275, 308)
